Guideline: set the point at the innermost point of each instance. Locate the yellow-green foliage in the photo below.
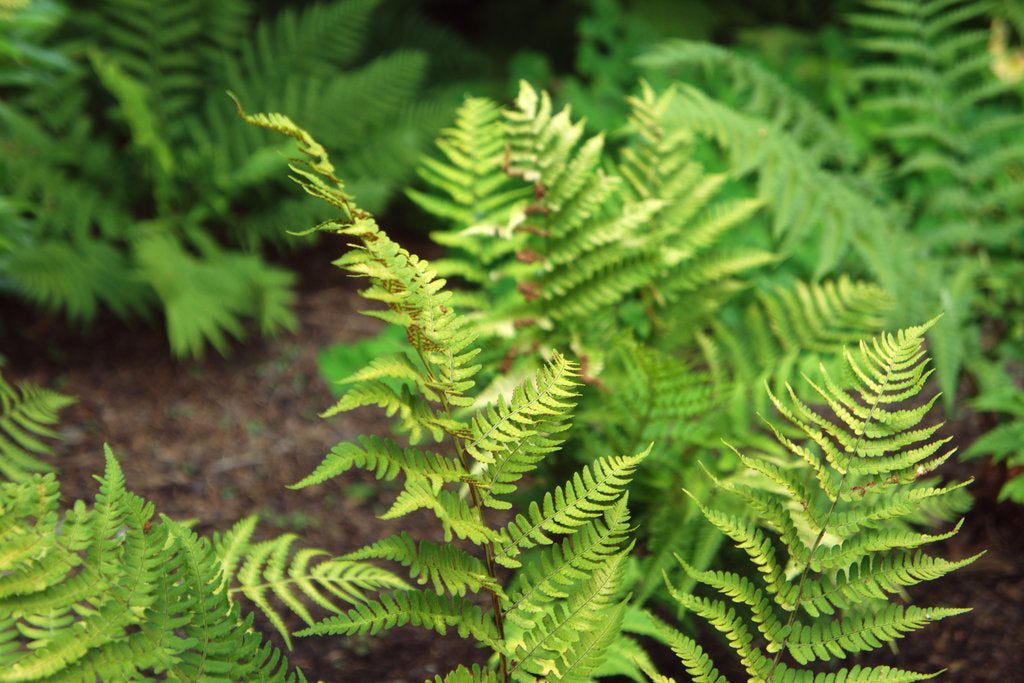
(26, 411)
(558, 619)
(834, 535)
(109, 592)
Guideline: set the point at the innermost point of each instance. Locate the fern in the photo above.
(787, 331)
(933, 104)
(109, 592)
(548, 625)
(181, 235)
(826, 565)
(26, 411)
(558, 236)
(306, 576)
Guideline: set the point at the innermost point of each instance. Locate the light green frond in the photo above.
(862, 632)
(386, 459)
(552, 573)
(295, 577)
(835, 531)
(448, 568)
(419, 608)
(111, 593)
(477, 674)
(512, 438)
(568, 507)
(698, 664)
(552, 646)
(26, 413)
(789, 331)
(482, 200)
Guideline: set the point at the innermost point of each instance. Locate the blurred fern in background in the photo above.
(128, 183)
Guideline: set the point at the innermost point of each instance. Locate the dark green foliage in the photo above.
(130, 185)
(835, 532)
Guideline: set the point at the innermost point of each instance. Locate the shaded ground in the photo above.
(217, 440)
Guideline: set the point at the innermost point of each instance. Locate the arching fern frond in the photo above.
(826, 566)
(26, 413)
(419, 608)
(491, 447)
(568, 507)
(764, 93)
(294, 578)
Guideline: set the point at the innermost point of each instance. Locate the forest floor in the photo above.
(218, 439)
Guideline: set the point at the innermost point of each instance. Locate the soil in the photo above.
(217, 439)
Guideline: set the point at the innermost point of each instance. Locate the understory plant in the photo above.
(127, 184)
(642, 346)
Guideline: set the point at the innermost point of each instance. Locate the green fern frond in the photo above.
(837, 535)
(568, 507)
(386, 459)
(787, 331)
(26, 413)
(311, 574)
(463, 675)
(557, 567)
(510, 439)
(419, 608)
(205, 299)
(109, 592)
(494, 446)
(803, 195)
(481, 199)
(448, 568)
(766, 94)
(552, 646)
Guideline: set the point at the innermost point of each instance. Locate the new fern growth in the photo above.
(557, 618)
(835, 535)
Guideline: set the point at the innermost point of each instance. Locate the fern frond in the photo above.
(766, 94)
(841, 510)
(804, 195)
(511, 439)
(448, 568)
(271, 566)
(557, 642)
(26, 411)
(463, 675)
(110, 593)
(558, 567)
(419, 608)
(205, 299)
(482, 200)
(789, 329)
(568, 507)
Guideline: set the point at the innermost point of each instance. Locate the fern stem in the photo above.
(474, 492)
(828, 516)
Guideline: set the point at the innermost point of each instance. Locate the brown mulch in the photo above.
(218, 439)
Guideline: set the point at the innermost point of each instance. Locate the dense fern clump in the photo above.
(128, 184)
(836, 526)
(563, 610)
